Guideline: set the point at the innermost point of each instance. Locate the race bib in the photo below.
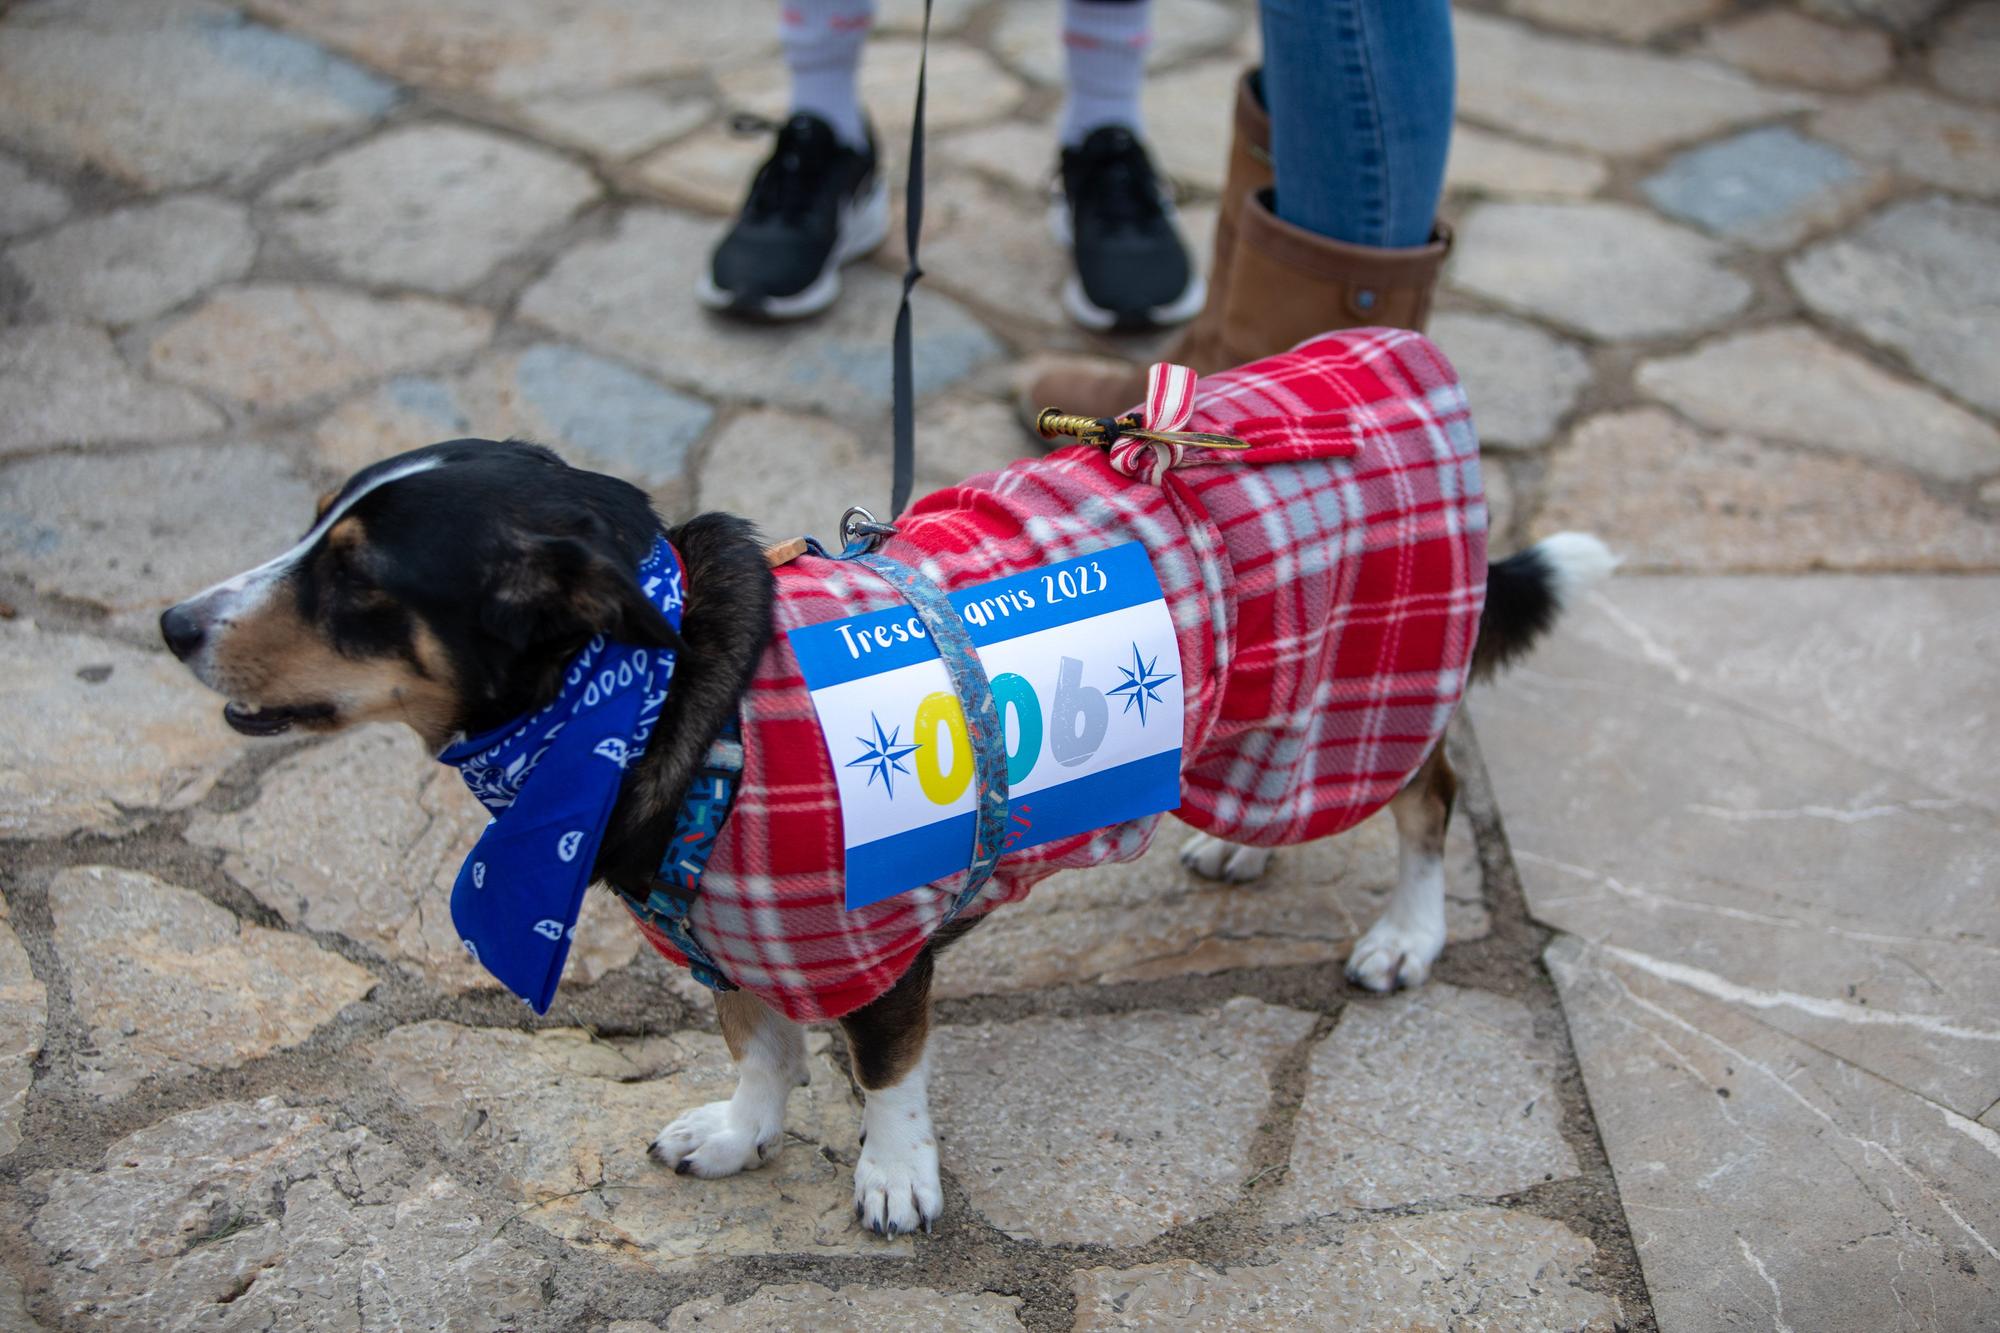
(1086, 675)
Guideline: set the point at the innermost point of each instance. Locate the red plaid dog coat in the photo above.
(1325, 587)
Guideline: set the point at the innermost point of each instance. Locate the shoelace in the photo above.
(1118, 185)
(789, 180)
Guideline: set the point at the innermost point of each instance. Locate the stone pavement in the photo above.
(1716, 1044)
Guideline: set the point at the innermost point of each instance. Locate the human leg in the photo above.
(1360, 97)
(1355, 109)
(1130, 265)
(818, 201)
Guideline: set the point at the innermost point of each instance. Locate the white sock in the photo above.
(823, 40)
(1105, 44)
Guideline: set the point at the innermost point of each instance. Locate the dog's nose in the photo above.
(181, 630)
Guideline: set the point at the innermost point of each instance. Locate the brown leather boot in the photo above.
(1091, 385)
(1287, 284)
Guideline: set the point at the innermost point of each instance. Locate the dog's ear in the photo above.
(558, 588)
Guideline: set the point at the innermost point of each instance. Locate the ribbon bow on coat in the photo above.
(1169, 406)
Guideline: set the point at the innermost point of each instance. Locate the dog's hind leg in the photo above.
(1398, 950)
(896, 1180)
(722, 1138)
(1212, 858)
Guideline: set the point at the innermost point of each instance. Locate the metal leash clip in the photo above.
(1054, 423)
(861, 529)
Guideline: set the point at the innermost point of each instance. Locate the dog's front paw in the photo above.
(1394, 954)
(896, 1182)
(718, 1139)
(1212, 858)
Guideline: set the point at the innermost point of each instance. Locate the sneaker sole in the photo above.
(1078, 306)
(863, 228)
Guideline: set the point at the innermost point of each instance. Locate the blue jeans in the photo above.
(1360, 96)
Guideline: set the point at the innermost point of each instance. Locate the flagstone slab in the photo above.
(1787, 382)
(1677, 499)
(1607, 269)
(710, 169)
(14, 1306)
(621, 123)
(1520, 379)
(1921, 277)
(595, 412)
(1605, 98)
(1768, 187)
(1029, 34)
(1499, 501)
(1429, 1094)
(167, 983)
(1770, 1184)
(1107, 1130)
(610, 293)
(100, 736)
(566, 1119)
(24, 1016)
(1791, 47)
(807, 1305)
(982, 245)
(1627, 20)
(265, 1215)
(1189, 118)
(964, 87)
(172, 94)
(512, 48)
(138, 262)
(1965, 55)
(274, 345)
(1013, 152)
(907, 16)
(752, 464)
(1494, 164)
(1939, 142)
(1743, 789)
(364, 836)
(1151, 918)
(1480, 1268)
(1901, 16)
(66, 384)
(27, 203)
(134, 533)
(427, 206)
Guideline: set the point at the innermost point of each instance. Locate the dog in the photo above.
(1327, 587)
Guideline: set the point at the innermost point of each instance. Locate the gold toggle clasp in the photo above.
(1053, 423)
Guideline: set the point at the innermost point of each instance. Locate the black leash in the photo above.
(903, 411)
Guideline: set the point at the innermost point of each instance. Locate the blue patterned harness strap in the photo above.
(975, 700)
(704, 810)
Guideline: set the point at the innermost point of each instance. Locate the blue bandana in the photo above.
(550, 780)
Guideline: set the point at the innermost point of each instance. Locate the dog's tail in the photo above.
(1528, 590)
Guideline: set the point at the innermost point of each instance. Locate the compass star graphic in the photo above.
(1141, 684)
(883, 755)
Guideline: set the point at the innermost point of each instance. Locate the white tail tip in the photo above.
(1576, 561)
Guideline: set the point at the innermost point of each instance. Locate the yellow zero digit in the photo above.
(941, 709)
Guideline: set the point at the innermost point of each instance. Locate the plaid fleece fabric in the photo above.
(1325, 586)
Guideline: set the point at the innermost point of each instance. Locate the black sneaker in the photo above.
(813, 205)
(1132, 269)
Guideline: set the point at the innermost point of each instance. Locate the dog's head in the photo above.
(445, 588)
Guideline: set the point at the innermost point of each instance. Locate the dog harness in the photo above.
(1325, 586)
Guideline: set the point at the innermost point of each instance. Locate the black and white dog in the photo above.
(448, 588)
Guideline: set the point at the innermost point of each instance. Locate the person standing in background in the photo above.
(819, 200)
(1329, 209)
